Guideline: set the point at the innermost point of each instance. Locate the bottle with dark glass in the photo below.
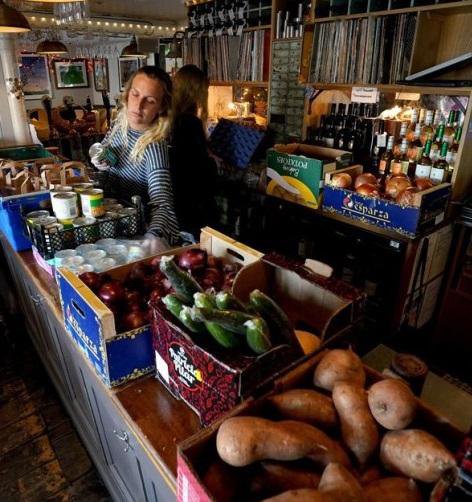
(354, 137)
(423, 167)
(340, 116)
(319, 132)
(342, 135)
(440, 167)
(416, 147)
(329, 134)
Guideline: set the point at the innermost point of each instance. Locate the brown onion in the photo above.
(341, 180)
(423, 184)
(364, 178)
(368, 189)
(407, 196)
(395, 185)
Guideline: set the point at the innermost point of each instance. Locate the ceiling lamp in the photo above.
(12, 21)
(132, 51)
(51, 47)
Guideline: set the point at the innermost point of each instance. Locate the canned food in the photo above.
(35, 215)
(103, 153)
(109, 202)
(67, 222)
(61, 188)
(48, 222)
(83, 249)
(112, 215)
(81, 187)
(84, 220)
(114, 207)
(92, 202)
(64, 205)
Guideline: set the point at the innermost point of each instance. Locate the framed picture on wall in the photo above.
(34, 73)
(100, 75)
(127, 66)
(70, 73)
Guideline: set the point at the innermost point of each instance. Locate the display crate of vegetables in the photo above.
(332, 430)
(217, 343)
(107, 314)
(406, 206)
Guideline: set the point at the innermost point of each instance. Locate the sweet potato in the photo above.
(302, 495)
(372, 473)
(241, 441)
(415, 454)
(358, 427)
(392, 490)
(339, 365)
(392, 403)
(307, 406)
(275, 477)
(340, 484)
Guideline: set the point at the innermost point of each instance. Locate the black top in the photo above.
(193, 174)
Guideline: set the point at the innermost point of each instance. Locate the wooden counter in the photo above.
(137, 425)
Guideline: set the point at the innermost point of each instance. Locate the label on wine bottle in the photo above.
(329, 142)
(404, 166)
(422, 171)
(437, 175)
(396, 167)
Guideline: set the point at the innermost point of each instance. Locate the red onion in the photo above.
(92, 280)
(133, 320)
(111, 292)
(211, 278)
(193, 259)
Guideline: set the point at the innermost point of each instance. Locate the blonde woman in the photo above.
(193, 169)
(138, 138)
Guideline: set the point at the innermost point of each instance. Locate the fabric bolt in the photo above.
(148, 178)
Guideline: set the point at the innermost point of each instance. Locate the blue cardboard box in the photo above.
(428, 210)
(11, 220)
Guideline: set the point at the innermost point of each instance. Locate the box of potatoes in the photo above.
(332, 430)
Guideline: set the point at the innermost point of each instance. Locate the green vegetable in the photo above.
(223, 336)
(229, 319)
(227, 301)
(187, 319)
(185, 285)
(257, 335)
(174, 304)
(276, 318)
(204, 300)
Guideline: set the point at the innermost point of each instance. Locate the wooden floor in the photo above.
(41, 455)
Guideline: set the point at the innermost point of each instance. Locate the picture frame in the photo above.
(127, 66)
(70, 73)
(101, 75)
(34, 74)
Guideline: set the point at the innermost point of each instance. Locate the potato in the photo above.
(358, 427)
(338, 365)
(370, 474)
(340, 484)
(415, 454)
(392, 490)
(277, 477)
(392, 403)
(302, 495)
(241, 441)
(307, 406)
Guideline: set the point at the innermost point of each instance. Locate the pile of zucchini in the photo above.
(261, 324)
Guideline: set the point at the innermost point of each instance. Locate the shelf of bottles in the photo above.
(335, 8)
(418, 142)
(289, 21)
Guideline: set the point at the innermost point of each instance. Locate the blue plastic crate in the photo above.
(11, 221)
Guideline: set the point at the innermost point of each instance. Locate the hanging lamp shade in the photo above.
(12, 21)
(131, 50)
(49, 47)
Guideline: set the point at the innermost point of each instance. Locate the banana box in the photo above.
(295, 172)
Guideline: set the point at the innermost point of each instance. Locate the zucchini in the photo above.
(257, 335)
(223, 336)
(185, 285)
(232, 320)
(227, 301)
(174, 304)
(204, 300)
(189, 322)
(276, 318)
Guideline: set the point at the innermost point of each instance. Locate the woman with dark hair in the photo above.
(138, 138)
(193, 169)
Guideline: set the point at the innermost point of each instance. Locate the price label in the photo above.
(365, 95)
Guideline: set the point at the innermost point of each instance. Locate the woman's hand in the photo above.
(101, 166)
(155, 244)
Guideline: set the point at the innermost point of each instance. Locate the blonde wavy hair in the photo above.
(159, 129)
(190, 93)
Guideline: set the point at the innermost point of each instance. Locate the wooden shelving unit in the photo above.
(446, 91)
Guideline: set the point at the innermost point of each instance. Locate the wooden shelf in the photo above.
(291, 39)
(256, 28)
(453, 8)
(446, 91)
(239, 83)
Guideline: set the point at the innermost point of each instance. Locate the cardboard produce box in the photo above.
(212, 380)
(296, 171)
(203, 477)
(428, 210)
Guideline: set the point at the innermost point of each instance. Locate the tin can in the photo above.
(64, 205)
(67, 222)
(84, 220)
(103, 153)
(92, 202)
(61, 188)
(127, 224)
(114, 207)
(81, 187)
(85, 229)
(48, 222)
(33, 216)
(107, 201)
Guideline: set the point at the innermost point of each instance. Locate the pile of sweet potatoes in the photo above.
(336, 441)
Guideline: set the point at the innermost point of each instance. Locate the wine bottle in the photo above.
(440, 166)
(423, 167)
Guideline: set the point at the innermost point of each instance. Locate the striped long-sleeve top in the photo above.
(149, 178)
